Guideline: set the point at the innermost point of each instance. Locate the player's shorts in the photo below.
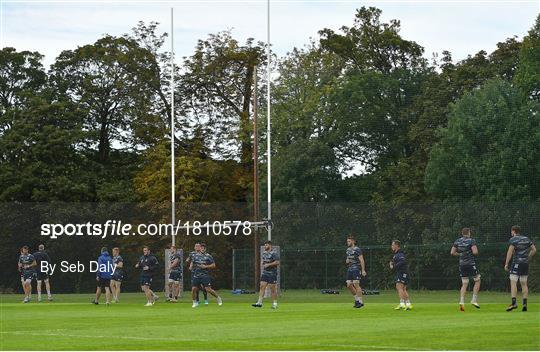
(175, 276)
(117, 277)
(197, 281)
(402, 278)
(353, 275)
(468, 271)
(146, 280)
(42, 276)
(519, 269)
(104, 283)
(28, 275)
(269, 277)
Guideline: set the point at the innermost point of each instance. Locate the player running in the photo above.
(118, 274)
(465, 248)
(189, 259)
(103, 277)
(27, 265)
(520, 251)
(175, 275)
(42, 276)
(399, 263)
(200, 264)
(356, 269)
(148, 263)
(270, 260)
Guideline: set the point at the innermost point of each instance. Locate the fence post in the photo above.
(370, 268)
(325, 268)
(234, 269)
(417, 270)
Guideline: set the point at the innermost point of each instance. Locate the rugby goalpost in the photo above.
(256, 224)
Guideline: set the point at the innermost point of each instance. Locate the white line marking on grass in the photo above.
(175, 339)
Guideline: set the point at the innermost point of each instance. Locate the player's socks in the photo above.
(274, 305)
(195, 304)
(514, 301)
(408, 305)
(219, 301)
(39, 297)
(474, 301)
(524, 308)
(49, 297)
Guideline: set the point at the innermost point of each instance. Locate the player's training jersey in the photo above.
(269, 257)
(399, 261)
(150, 261)
(464, 246)
(41, 256)
(198, 260)
(352, 256)
(174, 257)
(522, 247)
(26, 259)
(116, 260)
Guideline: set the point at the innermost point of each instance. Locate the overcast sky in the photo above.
(462, 27)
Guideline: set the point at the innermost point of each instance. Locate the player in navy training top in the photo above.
(465, 248)
(175, 274)
(118, 274)
(269, 277)
(399, 264)
(356, 268)
(148, 263)
(520, 251)
(42, 275)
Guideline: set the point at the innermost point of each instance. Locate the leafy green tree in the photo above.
(528, 73)
(490, 149)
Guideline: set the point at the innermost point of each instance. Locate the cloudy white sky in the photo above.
(463, 27)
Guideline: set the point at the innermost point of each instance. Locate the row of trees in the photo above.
(428, 134)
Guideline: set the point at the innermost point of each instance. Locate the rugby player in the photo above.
(200, 264)
(399, 264)
(118, 274)
(465, 248)
(520, 251)
(270, 259)
(148, 263)
(356, 269)
(42, 276)
(27, 265)
(103, 277)
(175, 275)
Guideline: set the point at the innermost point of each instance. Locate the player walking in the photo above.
(465, 248)
(148, 263)
(399, 264)
(103, 277)
(270, 260)
(356, 269)
(520, 251)
(42, 276)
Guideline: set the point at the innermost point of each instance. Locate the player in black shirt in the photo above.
(520, 251)
(42, 275)
(399, 264)
(148, 263)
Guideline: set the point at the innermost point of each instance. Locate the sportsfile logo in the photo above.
(118, 228)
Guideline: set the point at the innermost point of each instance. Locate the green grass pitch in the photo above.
(304, 320)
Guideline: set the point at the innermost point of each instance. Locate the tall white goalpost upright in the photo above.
(173, 196)
(268, 124)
